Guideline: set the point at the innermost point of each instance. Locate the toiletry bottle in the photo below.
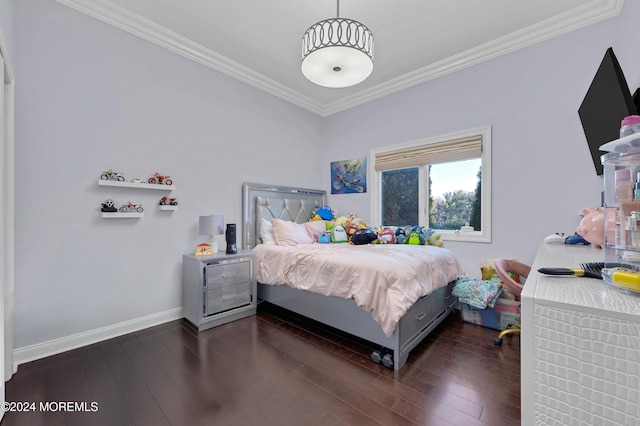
(624, 187)
(636, 188)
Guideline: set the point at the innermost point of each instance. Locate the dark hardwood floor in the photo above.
(272, 369)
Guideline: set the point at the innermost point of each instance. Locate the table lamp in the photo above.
(211, 225)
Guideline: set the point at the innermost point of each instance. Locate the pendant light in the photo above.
(337, 52)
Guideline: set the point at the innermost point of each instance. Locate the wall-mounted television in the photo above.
(606, 103)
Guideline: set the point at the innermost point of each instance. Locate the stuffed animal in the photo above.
(323, 213)
(435, 240)
(387, 236)
(416, 236)
(351, 230)
(339, 235)
(591, 227)
(401, 235)
(324, 238)
(342, 221)
(363, 236)
(355, 220)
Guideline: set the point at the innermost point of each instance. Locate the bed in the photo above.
(350, 311)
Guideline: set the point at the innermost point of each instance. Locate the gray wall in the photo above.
(90, 97)
(543, 175)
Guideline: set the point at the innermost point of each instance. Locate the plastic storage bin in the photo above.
(504, 312)
(622, 212)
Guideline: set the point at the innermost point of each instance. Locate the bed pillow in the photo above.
(266, 232)
(290, 233)
(315, 228)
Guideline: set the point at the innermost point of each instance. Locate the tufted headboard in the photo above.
(270, 201)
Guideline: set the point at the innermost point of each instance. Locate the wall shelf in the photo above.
(167, 207)
(117, 215)
(136, 185)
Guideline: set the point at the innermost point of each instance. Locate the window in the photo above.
(442, 183)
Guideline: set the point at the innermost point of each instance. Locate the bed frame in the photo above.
(297, 204)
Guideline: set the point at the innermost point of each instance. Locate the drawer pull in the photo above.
(421, 316)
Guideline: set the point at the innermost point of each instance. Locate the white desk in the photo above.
(580, 345)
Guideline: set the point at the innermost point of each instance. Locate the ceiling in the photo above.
(259, 41)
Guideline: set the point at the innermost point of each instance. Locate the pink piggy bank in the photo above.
(591, 227)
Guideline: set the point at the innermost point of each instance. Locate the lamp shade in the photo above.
(337, 53)
(211, 225)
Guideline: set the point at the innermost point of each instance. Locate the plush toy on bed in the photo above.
(358, 222)
(339, 235)
(433, 238)
(401, 235)
(387, 236)
(351, 230)
(342, 221)
(324, 238)
(416, 236)
(364, 236)
(323, 213)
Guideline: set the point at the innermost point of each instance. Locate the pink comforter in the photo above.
(385, 279)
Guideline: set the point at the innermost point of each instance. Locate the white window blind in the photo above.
(441, 152)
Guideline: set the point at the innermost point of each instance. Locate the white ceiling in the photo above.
(259, 41)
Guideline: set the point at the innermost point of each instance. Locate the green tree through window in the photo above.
(451, 211)
(400, 197)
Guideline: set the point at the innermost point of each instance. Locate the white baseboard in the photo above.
(53, 347)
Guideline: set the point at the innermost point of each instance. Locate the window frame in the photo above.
(484, 235)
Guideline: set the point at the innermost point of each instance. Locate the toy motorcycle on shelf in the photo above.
(111, 175)
(129, 207)
(161, 179)
(164, 201)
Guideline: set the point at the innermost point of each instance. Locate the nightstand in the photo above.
(218, 289)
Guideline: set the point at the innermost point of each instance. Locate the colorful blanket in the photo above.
(478, 293)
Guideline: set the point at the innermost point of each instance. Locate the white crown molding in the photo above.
(586, 15)
(53, 347)
(105, 11)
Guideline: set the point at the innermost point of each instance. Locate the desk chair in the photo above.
(505, 267)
